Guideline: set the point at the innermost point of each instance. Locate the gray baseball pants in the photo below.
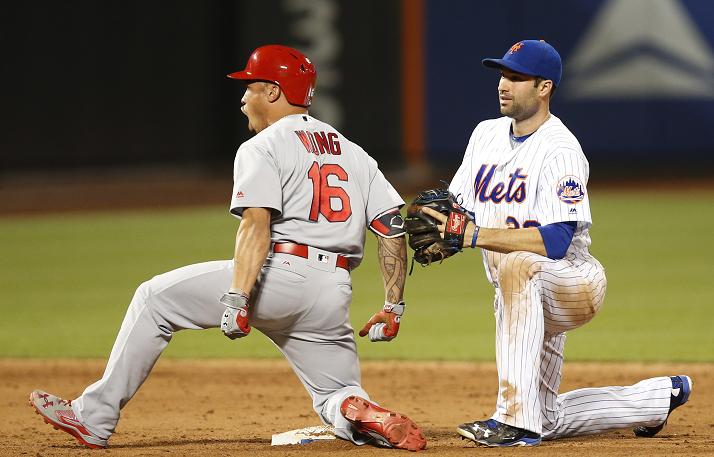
(302, 305)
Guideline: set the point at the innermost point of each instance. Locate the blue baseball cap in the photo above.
(531, 57)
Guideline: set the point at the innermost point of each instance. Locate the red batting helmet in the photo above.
(284, 66)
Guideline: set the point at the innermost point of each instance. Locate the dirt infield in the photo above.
(232, 407)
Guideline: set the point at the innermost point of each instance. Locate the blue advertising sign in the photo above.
(638, 78)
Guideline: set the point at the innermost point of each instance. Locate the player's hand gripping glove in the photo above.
(425, 237)
(234, 323)
(384, 325)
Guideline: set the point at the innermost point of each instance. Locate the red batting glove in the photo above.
(384, 325)
(234, 322)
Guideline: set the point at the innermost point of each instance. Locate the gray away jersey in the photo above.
(540, 181)
(323, 188)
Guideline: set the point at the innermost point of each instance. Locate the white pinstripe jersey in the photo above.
(540, 181)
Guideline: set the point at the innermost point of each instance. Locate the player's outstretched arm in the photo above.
(496, 239)
(252, 245)
(392, 255)
(509, 240)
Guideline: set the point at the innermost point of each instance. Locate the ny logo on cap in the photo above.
(515, 47)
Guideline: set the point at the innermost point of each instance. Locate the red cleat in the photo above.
(388, 428)
(58, 413)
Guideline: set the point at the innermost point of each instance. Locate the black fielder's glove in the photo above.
(425, 237)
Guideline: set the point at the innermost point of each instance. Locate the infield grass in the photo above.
(65, 282)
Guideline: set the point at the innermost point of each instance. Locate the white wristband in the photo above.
(233, 300)
(397, 308)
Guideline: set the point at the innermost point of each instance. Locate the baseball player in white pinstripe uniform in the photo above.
(524, 179)
(305, 194)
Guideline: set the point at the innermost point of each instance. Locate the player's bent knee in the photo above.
(142, 292)
(517, 268)
(145, 298)
(147, 290)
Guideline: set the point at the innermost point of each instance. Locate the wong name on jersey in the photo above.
(319, 142)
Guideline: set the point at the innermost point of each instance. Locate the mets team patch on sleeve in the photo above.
(570, 190)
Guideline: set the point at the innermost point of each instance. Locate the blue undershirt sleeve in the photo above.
(557, 238)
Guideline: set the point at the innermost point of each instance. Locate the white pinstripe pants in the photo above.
(537, 301)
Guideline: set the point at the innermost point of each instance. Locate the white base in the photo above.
(303, 435)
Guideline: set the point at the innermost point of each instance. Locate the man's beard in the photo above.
(518, 111)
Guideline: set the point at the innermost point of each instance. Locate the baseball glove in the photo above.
(424, 234)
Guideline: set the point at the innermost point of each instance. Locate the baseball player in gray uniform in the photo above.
(304, 194)
(524, 178)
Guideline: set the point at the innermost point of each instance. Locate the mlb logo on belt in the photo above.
(323, 258)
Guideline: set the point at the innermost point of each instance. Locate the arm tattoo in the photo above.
(392, 253)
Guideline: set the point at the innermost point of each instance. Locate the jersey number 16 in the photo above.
(323, 193)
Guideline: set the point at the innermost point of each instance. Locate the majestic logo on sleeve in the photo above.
(514, 191)
(570, 190)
